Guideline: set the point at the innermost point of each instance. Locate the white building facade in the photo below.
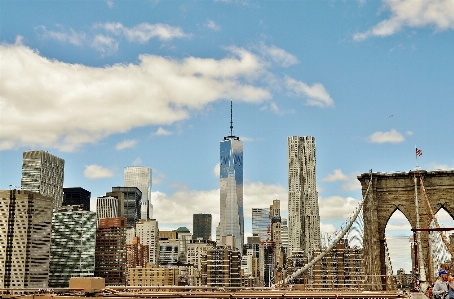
(140, 177)
(148, 232)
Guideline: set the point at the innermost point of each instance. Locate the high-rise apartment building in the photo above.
(223, 267)
(303, 211)
(25, 236)
(140, 177)
(110, 251)
(284, 234)
(148, 232)
(261, 223)
(184, 238)
(231, 187)
(43, 173)
(72, 250)
(136, 255)
(201, 226)
(131, 203)
(76, 196)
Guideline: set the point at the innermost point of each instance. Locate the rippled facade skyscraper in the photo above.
(231, 187)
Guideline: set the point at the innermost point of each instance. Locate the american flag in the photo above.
(418, 152)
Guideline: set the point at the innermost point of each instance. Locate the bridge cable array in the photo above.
(333, 244)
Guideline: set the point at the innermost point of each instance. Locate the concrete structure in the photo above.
(303, 211)
(136, 255)
(140, 177)
(87, 284)
(110, 252)
(168, 251)
(107, 207)
(25, 230)
(148, 232)
(231, 187)
(131, 203)
(76, 196)
(72, 250)
(43, 173)
(397, 191)
(261, 223)
(284, 234)
(153, 276)
(223, 267)
(201, 226)
(196, 249)
(267, 262)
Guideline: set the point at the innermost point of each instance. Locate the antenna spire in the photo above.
(231, 118)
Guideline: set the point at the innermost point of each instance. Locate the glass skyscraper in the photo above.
(261, 223)
(140, 177)
(231, 187)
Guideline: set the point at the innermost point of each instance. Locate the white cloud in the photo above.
(137, 162)
(94, 172)
(105, 44)
(273, 107)
(278, 55)
(438, 166)
(316, 95)
(130, 143)
(50, 103)
(217, 170)
(162, 132)
(109, 3)
(63, 35)
(409, 133)
(142, 33)
(327, 228)
(392, 136)
(337, 207)
(412, 13)
(350, 181)
(212, 25)
(337, 175)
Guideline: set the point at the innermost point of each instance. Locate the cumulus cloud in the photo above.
(438, 166)
(349, 181)
(278, 55)
(62, 35)
(412, 13)
(94, 172)
(142, 33)
(105, 44)
(161, 132)
(130, 143)
(337, 207)
(137, 161)
(212, 25)
(337, 175)
(217, 170)
(392, 136)
(315, 95)
(177, 209)
(50, 103)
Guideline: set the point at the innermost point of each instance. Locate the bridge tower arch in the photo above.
(390, 192)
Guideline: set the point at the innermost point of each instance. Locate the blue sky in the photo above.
(109, 84)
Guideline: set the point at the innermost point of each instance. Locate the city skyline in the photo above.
(105, 84)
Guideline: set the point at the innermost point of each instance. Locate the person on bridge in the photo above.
(451, 287)
(440, 289)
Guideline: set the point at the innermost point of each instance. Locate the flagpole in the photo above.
(416, 154)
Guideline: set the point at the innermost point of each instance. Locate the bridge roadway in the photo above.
(244, 294)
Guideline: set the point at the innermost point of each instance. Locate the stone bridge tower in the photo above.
(396, 191)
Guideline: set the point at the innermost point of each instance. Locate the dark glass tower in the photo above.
(76, 196)
(201, 226)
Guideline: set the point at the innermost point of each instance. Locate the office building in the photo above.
(25, 238)
(140, 177)
(168, 252)
(76, 196)
(131, 203)
(196, 249)
(201, 226)
(153, 276)
(231, 187)
(72, 249)
(284, 234)
(43, 173)
(303, 210)
(148, 232)
(184, 237)
(261, 223)
(110, 251)
(136, 255)
(107, 207)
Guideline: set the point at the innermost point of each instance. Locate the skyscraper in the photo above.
(303, 212)
(72, 250)
(261, 223)
(140, 177)
(131, 203)
(201, 225)
(43, 173)
(25, 236)
(76, 196)
(231, 187)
